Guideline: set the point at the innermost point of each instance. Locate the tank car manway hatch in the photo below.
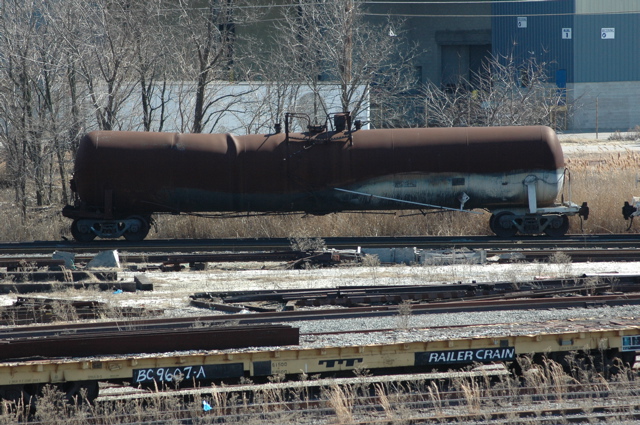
(516, 173)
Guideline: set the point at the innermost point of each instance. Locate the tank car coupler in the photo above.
(628, 210)
(584, 211)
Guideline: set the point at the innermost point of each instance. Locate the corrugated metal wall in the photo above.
(527, 29)
(589, 55)
(600, 58)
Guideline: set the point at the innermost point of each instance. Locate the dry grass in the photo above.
(332, 225)
(604, 179)
(631, 135)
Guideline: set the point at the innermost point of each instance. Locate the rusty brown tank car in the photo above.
(122, 178)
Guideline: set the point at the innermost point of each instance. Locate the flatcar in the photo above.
(121, 178)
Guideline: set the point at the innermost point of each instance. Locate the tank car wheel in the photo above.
(137, 231)
(81, 231)
(502, 225)
(492, 223)
(558, 227)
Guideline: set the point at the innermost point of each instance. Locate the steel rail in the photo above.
(148, 341)
(352, 295)
(31, 265)
(148, 325)
(578, 255)
(276, 244)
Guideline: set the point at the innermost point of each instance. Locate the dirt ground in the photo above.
(594, 143)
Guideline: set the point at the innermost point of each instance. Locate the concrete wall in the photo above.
(618, 106)
(607, 6)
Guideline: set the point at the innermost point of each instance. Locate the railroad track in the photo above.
(237, 331)
(354, 296)
(437, 397)
(26, 311)
(27, 266)
(450, 397)
(281, 244)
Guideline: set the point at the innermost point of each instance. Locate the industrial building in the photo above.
(591, 49)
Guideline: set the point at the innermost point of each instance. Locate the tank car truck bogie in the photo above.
(506, 224)
(121, 178)
(133, 228)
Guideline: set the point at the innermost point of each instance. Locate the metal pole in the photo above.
(596, 118)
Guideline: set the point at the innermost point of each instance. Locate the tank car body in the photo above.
(121, 178)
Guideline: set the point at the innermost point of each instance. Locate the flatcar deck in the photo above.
(192, 367)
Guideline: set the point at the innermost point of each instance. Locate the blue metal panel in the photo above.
(598, 59)
(542, 37)
(561, 78)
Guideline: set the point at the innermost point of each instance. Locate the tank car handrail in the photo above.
(369, 195)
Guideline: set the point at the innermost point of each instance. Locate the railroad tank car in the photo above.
(121, 178)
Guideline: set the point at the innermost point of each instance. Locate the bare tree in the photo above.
(504, 92)
(62, 63)
(102, 45)
(276, 90)
(152, 38)
(452, 106)
(207, 58)
(33, 112)
(17, 111)
(329, 42)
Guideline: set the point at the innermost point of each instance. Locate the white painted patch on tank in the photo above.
(484, 190)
